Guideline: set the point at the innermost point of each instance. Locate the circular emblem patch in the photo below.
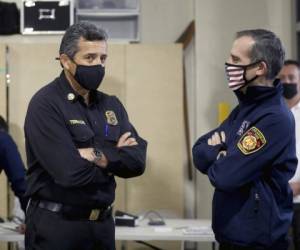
(249, 143)
(252, 141)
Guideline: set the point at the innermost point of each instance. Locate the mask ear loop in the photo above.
(244, 74)
(244, 67)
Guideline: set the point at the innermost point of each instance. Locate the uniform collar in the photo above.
(71, 95)
(255, 94)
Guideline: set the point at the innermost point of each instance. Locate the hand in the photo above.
(126, 141)
(295, 186)
(88, 154)
(216, 139)
(21, 228)
(221, 153)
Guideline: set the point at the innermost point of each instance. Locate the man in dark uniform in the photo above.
(12, 164)
(77, 140)
(251, 156)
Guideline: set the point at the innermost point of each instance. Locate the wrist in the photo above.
(99, 158)
(98, 154)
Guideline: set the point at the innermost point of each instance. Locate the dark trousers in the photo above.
(46, 230)
(296, 226)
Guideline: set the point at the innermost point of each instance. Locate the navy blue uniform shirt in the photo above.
(11, 163)
(252, 204)
(58, 122)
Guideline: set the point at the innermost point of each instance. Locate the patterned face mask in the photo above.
(236, 75)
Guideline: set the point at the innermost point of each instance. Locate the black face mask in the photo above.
(89, 77)
(289, 90)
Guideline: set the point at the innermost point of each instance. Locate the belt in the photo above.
(73, 212)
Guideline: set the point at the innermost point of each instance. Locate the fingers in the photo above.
(223, 137)
(124, 137)
(216, 139)
(131, 141)
(221, 154)
(126, 140)
(209, 142)
(86, 153)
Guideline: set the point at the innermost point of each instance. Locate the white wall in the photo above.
(165, 20)
(216, 22)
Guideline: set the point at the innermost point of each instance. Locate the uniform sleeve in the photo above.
(13, 167)
(203, 154)
(129, 161)
(238, 168)
(49, 140)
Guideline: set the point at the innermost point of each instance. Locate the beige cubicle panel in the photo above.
(3, 180)
(31, 67)
(154, 100)
(148, 81)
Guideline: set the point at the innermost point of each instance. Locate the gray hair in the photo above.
(267, 48)
(86, 30)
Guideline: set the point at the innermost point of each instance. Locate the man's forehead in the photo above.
(242, 46)
(290, 69)
(97, 46)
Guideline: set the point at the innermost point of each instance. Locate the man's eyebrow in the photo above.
(90, 54)
(234, 56)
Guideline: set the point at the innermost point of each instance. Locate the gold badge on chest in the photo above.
(111, 117)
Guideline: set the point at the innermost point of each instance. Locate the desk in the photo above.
(9, 235)
(172, 231)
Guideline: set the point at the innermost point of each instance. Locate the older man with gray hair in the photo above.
(77, 140)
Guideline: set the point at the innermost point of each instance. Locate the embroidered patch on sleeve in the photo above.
(252, 141)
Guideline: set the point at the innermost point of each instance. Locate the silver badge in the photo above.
(71, 96)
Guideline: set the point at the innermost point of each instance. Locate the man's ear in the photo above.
(65, 61)
(262, 69)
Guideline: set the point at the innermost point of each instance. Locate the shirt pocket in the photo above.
(82, 134)
(112, 133)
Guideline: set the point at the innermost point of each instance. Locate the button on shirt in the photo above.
(58, 122)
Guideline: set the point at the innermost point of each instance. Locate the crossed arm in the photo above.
(124, 141)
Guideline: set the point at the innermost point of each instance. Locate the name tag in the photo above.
(74, 122)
